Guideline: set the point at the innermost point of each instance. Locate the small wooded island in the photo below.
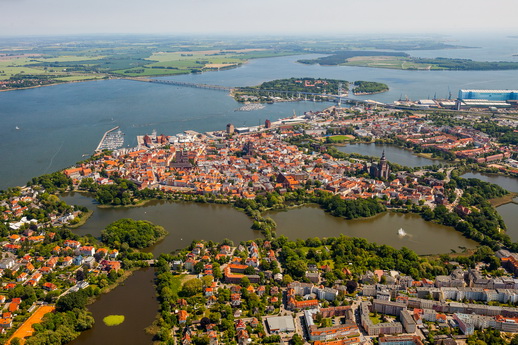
(296, 89)
(368, 87)
(136, 233)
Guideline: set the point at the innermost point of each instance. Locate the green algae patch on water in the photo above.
(113, 320)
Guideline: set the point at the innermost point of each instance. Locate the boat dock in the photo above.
(111, 140)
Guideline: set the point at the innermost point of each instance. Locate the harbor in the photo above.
(251, 107)
(111, 140)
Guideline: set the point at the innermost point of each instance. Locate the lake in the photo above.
(506, 182)
(184, 224)
(393, 153)
(422, 237)
(507, 211)
(136, 300)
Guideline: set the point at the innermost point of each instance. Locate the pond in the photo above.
(507, 211)
(393, 153)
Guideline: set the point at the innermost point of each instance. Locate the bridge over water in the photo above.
(228, 89)
(184, 84)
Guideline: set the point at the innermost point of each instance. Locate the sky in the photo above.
(62, 17)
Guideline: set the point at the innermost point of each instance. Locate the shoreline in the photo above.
(54, 84)
(369, 93)
(506, 199)
(139, 204)
(83, 220)
(120, 280)
(286, 208)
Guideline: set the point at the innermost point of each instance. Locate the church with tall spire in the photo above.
(382, 169)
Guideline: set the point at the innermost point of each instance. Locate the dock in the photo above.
(111, 140)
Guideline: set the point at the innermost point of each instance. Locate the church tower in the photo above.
(384, 168)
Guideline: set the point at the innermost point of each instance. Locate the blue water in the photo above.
(58, 124)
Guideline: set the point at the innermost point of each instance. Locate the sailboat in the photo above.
(401, 232)
(17, 127)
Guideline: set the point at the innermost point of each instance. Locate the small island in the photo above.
(368, 87)
(113, 320)
(135, 233)
(297, 89)
(292, 89)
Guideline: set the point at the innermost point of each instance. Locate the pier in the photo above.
(110, 142)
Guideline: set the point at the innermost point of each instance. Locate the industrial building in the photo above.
(487, 99)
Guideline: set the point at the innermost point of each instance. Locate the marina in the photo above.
(112, 140)
(250, 107)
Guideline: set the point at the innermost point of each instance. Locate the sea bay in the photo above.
(59, 124)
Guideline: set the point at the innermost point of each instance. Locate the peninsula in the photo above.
(397, 60)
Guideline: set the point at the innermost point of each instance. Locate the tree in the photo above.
(245, 282)
(351, 286)
(136, 233)
(191, 287)
(249, 270)
(207, 280)
(80, 275)
(71, 301)
(297, 268)
(296, 340)
(204, 322)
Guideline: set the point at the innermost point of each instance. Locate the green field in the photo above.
(9, 68)
(413, 63)
(340, 138)
(126, 62)
(41, 62)
(375, 319)
(392, 62)
(78, 78)
(182, 62)
(69, 58)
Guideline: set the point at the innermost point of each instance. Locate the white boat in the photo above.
(17, 127)
(401, 232)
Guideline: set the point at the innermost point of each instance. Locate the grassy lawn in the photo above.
(305, 250)
(375, 319)
(341, 138)
(329, 263)
(179, 280)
